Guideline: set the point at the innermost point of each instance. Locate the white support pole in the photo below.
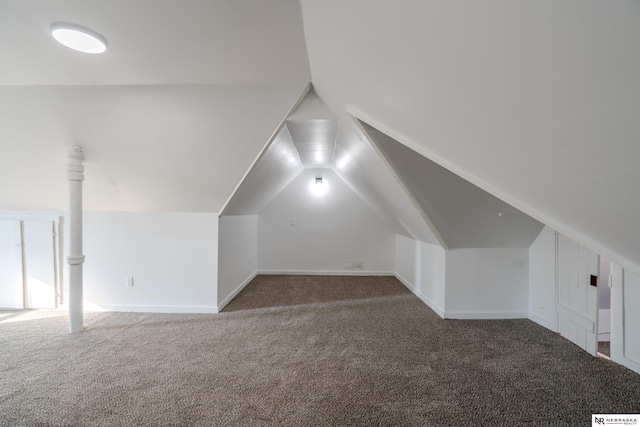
(75, 174)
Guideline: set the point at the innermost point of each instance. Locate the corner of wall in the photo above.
(421, 268)
(430, 303)
(542, 280)
(222, 304)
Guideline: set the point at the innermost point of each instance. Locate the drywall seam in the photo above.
(428, 301)
(235, 292)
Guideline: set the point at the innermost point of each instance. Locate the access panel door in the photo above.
(11, 286)
(577, 303)
(40, 254)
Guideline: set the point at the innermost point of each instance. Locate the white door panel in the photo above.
(577, 305)
(39, 247)
(10, 265)
(631, 294)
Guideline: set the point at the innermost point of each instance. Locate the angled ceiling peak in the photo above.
(306, 138)
(314, 129)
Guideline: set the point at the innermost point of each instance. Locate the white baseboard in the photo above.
(631, 364)
(469, 315)
(325, 273)
(543, 322)
(235, 292)
(428, 301)
(158, 309)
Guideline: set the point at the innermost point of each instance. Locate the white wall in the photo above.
(172, 257)
(237, 255)
(542, 279)
(421, 267)
(487, 283)
(329, 229)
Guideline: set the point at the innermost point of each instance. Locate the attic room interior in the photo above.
(291, 212)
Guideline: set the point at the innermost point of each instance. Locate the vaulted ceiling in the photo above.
(535, 103)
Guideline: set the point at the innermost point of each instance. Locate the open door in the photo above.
(577, 302)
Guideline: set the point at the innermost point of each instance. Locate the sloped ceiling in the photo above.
(463, 215)
(162, 116)
(304, 135)
(314, 129)
(535, 102)
(156, 42)
(278, 166)
(365, 172)
(306, 139)
(147, 148)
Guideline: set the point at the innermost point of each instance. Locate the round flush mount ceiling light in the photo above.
(78, 38)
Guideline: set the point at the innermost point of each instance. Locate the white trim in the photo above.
(625, 361)
(235, 292)
(543, 322)
(176, 309)
(486, 315)
(325, 273)
(428, 301)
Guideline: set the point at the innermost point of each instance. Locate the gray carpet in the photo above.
(301, 351)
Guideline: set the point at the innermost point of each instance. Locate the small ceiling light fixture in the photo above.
(318, 187)
(78, 38)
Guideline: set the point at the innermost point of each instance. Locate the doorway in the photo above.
(604, 308)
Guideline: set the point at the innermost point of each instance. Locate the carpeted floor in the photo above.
(301, 351)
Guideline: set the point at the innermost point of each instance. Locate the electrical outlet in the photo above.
(348, 265)
(129, 283)
(359, 265)
(293, 221)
